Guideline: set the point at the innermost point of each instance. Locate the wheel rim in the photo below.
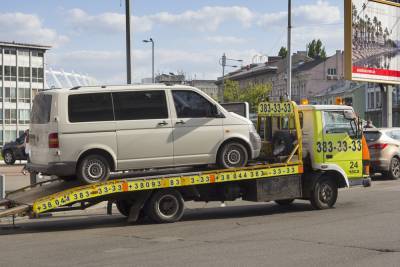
(168, 206)
(8, 157)
(325, 193)
(233, 156)
(396, 167)
(94, 169)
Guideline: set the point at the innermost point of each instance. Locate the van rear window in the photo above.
(90, 107)
(41, 109)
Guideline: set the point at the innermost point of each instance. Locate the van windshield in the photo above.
(41, 109)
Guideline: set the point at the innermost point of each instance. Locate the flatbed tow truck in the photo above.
(305, 156)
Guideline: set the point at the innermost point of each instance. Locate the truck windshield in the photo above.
(41, 109)
(335, 122)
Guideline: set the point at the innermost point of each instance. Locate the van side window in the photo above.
(189, 104)
(140, 105)
(90, 107)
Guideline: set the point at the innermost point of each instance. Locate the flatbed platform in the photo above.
(58, 195)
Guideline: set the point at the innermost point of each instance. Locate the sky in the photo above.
(88, 36)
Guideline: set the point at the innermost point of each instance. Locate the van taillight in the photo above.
(378, 146)
(53, 140)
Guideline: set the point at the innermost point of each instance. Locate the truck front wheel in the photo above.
(165, 206)
(324, 193)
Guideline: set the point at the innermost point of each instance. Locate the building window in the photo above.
(10, 73)
(1, 117)
(23, 53)
(378, 99)
(24, 74)
(23, 116)
(332, 71)
(10, 51)
(10, 116)
(1, 72)
(24, 95)
(10, 135)
(371, 100)
(10, 94)
(37, 54)
(37, 75)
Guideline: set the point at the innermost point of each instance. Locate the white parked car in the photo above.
(86, 132)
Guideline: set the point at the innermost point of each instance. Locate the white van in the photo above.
(86, 132)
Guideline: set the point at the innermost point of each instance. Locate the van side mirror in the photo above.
(215, 112)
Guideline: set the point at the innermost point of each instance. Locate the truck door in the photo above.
(341, 145)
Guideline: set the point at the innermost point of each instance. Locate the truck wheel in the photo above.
(9, 157)
(284, 202)
(394, 171)
(324, 194)
(93, 169)
(165, 206)
(123, 206)
(232, 155)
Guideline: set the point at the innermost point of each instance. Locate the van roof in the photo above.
(118, 87)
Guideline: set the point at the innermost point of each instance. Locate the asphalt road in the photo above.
(363, 230)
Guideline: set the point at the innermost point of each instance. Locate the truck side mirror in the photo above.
(349, 115)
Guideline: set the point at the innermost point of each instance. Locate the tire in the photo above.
(232, 155)
(165, 206)
(324, 193)
(9, 157)
(282, 142)
(284, 202)
(123, 206)
(394, 171)
(93, 169)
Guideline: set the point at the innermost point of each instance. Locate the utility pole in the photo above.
(289, 51)
(128, 41)
(223, 63)
(150, 40)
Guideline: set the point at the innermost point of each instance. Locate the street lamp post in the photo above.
(128, 42)
(150, 40)
(222, 62)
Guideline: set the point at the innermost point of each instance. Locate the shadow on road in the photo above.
(85, 222)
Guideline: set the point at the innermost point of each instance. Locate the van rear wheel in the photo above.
(93, 169)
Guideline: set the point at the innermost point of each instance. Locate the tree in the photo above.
(316, 49)
(253, 94)
(283, 52)
(232, 91)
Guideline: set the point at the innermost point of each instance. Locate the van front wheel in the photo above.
(93, 169)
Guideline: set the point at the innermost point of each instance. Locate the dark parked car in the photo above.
(14, 150)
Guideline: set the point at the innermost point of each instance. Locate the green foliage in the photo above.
(253, 94)
(316, 49)
(282, 52)
(232, 91)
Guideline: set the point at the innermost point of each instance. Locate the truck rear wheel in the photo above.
(123, 206)
(324, 193)
(165, 206)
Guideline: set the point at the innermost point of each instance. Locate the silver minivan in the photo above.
(88, 132)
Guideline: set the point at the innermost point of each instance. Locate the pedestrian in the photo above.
(27, 151)
(369, 124)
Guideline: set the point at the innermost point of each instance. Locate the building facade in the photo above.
(309, 76)
(207, 86)
(21, 77)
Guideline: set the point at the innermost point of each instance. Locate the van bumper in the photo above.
(63, 168)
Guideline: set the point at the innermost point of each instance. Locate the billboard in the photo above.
(372, 41)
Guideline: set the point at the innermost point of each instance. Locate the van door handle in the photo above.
(329, 156)
(162, 123)
(180, 122)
